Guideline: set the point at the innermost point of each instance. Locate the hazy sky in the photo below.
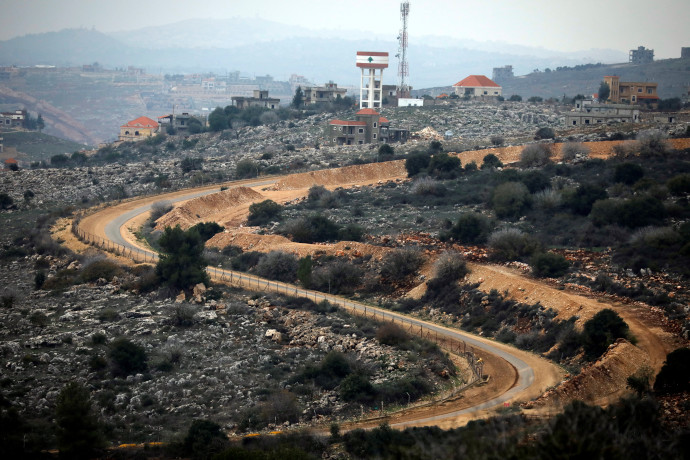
(554, 24)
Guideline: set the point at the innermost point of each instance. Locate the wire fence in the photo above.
(414, 327)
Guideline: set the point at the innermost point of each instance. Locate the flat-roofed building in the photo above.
(631, 92)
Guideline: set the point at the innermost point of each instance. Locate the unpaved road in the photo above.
(117, 222)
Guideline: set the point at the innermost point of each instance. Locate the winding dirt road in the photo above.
(516, 375)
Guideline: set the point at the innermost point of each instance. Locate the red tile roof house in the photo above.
(138, 129)
(477, 86)
(367, 128)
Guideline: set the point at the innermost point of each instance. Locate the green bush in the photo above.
(191, 164)
(444, 166)
(127, 357)
(574, 151)
(182, 264)
(79, 434)
(264, 212)
(311, 229)
(536, 155)
(581, 200)
(278, 265)
(544, 133)
(207, 230)
(638, 211)
(470, 228)
(491, 161)
(246, 169)
(652, 143)
(510, 200)
(628, 173)
(679, 185)
(601, 331)
(204, 438)
(357, 387)
(101, 268)
(549, 265)
(450, 267)
(674, 376)
(511, 244)
(401, 263)
(417, 163)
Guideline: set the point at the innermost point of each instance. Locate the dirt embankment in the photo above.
(208, 208)
(347, 175)
(600, 383)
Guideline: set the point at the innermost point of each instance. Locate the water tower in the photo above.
(372, 64)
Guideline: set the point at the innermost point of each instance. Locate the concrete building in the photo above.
(260, 99)
(322, 94)
(179, 122)
(627, 92)
(477, 86)
(587, 112)
(685, 52)
(641, 56)
(138, 129)
(14, 119)
(372, 64)
(501, 74)
(368, 127)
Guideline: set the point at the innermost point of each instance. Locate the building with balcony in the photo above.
(629, 92)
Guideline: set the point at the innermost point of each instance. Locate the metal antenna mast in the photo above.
(403, 70)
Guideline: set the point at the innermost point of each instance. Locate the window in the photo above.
(126, 133)
(361, 142)
(575, 122)
(586, 122)
(374, 136)
(374, 124)
(650, 90)
(639, 90)
(361, 130)
(136, 133)
(334, 139)
(486, 92)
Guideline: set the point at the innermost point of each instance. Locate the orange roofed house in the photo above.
(629, 92)
(138, 129)
(368, 127)
(477, 86)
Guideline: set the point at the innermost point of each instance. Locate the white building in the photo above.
(372, 64)
(477, 86)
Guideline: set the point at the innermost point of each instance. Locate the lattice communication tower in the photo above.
(403, 70)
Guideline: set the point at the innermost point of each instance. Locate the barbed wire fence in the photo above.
(454, 346)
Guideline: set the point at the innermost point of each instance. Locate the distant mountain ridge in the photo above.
(262, 47)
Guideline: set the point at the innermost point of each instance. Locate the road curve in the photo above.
(524, 374)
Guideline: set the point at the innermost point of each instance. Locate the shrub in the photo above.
(574, 152)
(581, 200)
(100, 268)
(304, 270)
(497, 140)
(601, 331)
(674, 376)
(277, 265)
(264, 212)
(679, 185)
(337, 277)
(6, 201)
(204, 438)
(628, 173)
(159, 209)
(401, 263)
(386, 150)
(547, 200)
(491, 161)
(207, 230)
(417, 163)
(450, 267)
(471, 228)
(191, 164)
(549, 265)
(246, 169)
(535, 181)
(357, 387)
(510, 199)
(311, 229)
(652, 142)
(639, 211)
(182, 315)
(79, 434)
(126, 357)
(544, 133)
(351, 232)
(444, 166)
(535, 155)
(391, 334)
(511, 244)
(428, 186)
